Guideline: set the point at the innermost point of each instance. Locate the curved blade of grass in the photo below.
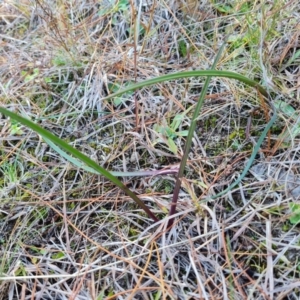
(62, 144)
(187, 74)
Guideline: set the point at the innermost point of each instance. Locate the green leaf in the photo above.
(115, 87)
(123, 5)
(59, 61)
(188, 74)
(183, 133)
(285, 108)
(47, 79)
(295, 217)
(28, 76)
(16, 130)
(172, 146)
(170, 133)
(182, 48)
(21, 271)
(223, 8)
(157, 295)
(79, 155)
(118, 101)
(58, 255)
(177, 121)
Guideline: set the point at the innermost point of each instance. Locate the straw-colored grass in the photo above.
(69, 234)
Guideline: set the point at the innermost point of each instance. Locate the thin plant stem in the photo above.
(190, 137)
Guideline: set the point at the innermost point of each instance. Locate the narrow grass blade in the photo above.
(62, 144)
(188, 74)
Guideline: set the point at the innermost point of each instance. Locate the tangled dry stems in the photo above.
(67, 234)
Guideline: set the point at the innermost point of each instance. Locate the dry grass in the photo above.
(67, 234)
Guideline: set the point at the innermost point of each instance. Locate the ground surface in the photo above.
(70, 234)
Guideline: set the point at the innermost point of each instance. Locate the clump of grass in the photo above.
(52, 139)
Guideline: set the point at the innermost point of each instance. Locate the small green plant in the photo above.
(58, 255)
(28, 76)
(9, 173)
(295, 216)
(15, 128)
(169, 132)
(114, 87)
(183, 49)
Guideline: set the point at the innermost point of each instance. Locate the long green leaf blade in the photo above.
(187, 74)
(82, 157)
